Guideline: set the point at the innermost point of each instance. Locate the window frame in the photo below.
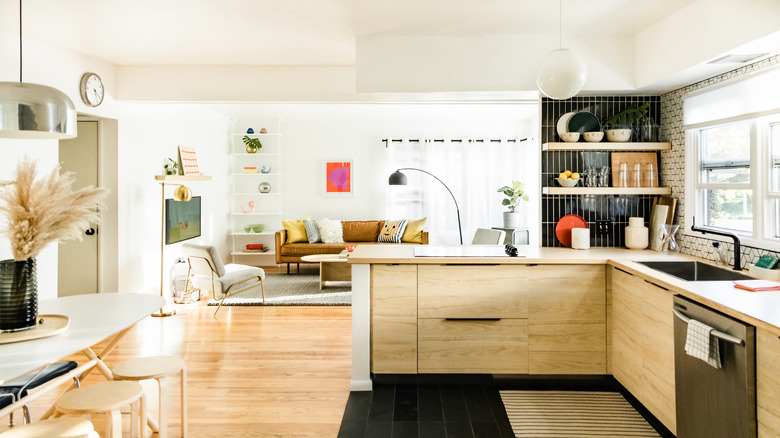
(766, 203)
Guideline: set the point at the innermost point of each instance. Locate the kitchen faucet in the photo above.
(737, 247)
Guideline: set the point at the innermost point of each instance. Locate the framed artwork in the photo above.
(189, 161)
(337, 175)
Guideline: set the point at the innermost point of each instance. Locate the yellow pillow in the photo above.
(296, 232)
(413, 231)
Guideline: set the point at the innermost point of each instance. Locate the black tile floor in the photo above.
(436, 409)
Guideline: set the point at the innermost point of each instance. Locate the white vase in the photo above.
(636, 233)
(511, 219)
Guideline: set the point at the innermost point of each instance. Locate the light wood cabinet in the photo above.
(473, 346)
(643, 343)
(394, 319)
(472, 291)
(567, 319)
(767, 384)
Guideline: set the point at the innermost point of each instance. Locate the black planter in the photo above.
(18, 295)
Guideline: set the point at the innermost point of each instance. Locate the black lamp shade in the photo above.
(397, 178)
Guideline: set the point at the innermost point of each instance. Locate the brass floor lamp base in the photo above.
(162, 313)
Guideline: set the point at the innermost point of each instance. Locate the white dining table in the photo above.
(93, 318)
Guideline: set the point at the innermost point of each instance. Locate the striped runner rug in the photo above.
(569, 414)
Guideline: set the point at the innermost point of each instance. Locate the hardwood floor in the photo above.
(252, 371)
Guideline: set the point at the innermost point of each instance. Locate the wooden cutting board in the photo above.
(632, 158)
(665, 200)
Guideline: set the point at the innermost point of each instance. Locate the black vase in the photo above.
(18, 295)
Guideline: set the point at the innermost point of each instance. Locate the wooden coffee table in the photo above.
(332, 267)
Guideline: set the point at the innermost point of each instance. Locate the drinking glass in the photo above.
(590, 177)
(604, 179)
(650, 175)
(623, 174)
(636, 175)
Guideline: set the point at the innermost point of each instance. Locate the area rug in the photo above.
(293, 290)
(572, 414)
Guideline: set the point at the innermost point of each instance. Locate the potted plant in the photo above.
(252, 144)
(171, 167)
(514, 194)
(38, 212)
(619, 124)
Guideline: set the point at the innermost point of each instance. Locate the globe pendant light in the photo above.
(33, 111)
(562, 73)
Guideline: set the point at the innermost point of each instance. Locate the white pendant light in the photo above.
(562, 73)
(33, 111)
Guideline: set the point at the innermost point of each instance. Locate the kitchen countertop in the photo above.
(761, 309)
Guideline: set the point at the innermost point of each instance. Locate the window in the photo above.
(733, 157)
(725, 195)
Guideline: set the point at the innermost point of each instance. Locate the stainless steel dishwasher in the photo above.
(714, 402)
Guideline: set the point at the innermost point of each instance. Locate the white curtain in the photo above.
(472, 170)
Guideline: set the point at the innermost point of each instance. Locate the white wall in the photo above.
(148, 134)
(313, 132)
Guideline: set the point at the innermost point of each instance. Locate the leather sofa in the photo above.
(354, 233)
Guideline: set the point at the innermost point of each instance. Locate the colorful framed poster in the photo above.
(189, 161)
(337, 176)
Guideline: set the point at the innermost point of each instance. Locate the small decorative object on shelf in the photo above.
(636, 233)
(252, 144)
(249, 169)
(38, 212)
(171, 167)
(263, 131)
(514, 194)
(264, 170)
(250, 131)
(250, 207)
(264, 187)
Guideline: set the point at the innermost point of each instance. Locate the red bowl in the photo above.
(350, 248)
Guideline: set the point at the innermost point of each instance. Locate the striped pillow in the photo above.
(392, 231)
(312, 233)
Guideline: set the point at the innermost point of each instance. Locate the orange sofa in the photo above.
(354, 233)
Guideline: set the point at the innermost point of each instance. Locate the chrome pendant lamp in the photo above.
(33, 111)
(562, 73)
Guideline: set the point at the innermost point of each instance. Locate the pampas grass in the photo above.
(42, 211)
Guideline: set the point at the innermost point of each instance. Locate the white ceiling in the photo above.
(302, 32)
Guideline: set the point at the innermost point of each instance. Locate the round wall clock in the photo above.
(91, 89)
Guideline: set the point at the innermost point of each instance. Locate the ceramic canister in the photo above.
(580, 238)
(636, 233)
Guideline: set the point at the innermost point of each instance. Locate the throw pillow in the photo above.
(330, 230)
(413, 232)
(392, 231)
(296, 232)
(312, 233)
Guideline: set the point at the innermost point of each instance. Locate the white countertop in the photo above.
(761, 309)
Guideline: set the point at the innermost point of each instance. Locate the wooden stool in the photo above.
(158, 368)
(108, 397)
(64, 427)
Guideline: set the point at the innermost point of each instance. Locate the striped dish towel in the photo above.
(700, 343)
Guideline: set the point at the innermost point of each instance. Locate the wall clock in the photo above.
(91, 89)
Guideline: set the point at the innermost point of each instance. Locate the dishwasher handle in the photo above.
(718, 334)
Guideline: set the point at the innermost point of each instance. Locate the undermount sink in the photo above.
(695, 271)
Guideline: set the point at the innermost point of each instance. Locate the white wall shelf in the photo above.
(607, 146)
(606, 190)
(243, 188)
(182, 178)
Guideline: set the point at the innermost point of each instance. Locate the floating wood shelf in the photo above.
(607, 146)
(607, 190)
(182, 178)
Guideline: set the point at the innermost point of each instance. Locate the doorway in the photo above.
(78, 261)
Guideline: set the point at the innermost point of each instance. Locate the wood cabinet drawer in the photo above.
(472, 346)
(453, 291)
(567, 348)
(567, 294)
(767, 383)
(394, 319)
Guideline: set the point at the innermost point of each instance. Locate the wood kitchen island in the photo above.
(552, 311)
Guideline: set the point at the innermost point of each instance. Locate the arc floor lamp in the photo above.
(398, 178)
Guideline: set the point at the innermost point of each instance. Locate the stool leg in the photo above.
(134, 416)
(184, 402)
(163, 381)
(114, 426)
(142, 416)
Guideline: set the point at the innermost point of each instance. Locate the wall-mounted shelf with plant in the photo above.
(619, 125)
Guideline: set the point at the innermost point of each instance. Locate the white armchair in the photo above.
(226, 280)
(485, 236)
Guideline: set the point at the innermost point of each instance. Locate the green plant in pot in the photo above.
(38, 212)
(619, 125)
(514, 194)
(252, 144)
(171, 167)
